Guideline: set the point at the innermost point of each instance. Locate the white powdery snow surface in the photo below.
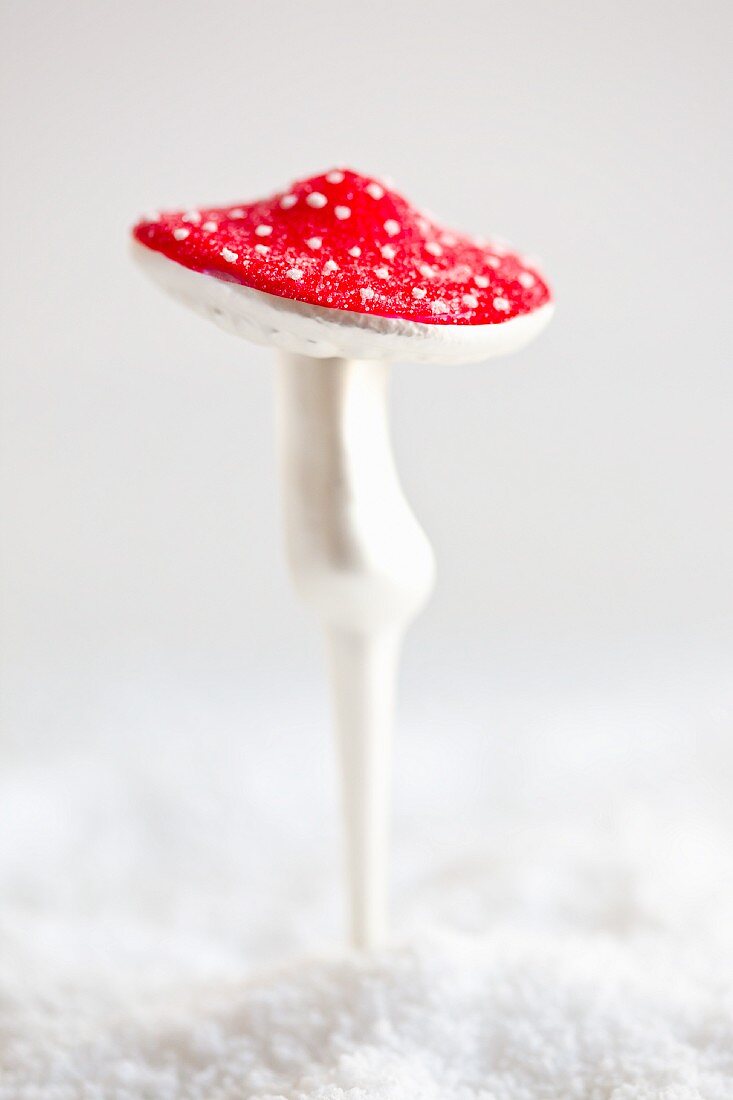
(563, 899)
(501, 1018)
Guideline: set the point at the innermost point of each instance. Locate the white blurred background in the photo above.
(577, 651)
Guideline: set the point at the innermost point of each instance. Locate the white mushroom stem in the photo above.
(360, 559)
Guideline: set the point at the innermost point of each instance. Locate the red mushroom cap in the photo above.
(345, 241)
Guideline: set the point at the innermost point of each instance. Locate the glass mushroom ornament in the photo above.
(341, 276)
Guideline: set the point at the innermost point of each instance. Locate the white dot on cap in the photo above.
(263, 249)
(481, 280)
(470, 300)
(355, 251)
(330, 265)
(181, 234)
(493, 261)
(426, 271)
(374, 190)
(502, 305)
(237, 212)
(342, 212)
(366, 293)
(391, 227)
(381, 272)
(209, 227)
(191, 216)
(295, 273)
(316, 200)
(388, 251)
(438, 307)
(433, 248)
(526, 279)
(418, 292)
(263, 230)
(287, 201)
(314, 243)
(228, 255)
(335, 177)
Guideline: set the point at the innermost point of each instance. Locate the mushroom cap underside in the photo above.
(322, 332)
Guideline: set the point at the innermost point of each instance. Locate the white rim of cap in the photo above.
(332, 333)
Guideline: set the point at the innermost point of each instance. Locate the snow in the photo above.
(563, 897)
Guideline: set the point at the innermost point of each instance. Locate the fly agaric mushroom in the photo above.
(342, 275)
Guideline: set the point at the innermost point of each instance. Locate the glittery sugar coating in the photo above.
(346, 241)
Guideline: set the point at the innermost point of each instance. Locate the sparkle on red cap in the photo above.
(346, 241)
